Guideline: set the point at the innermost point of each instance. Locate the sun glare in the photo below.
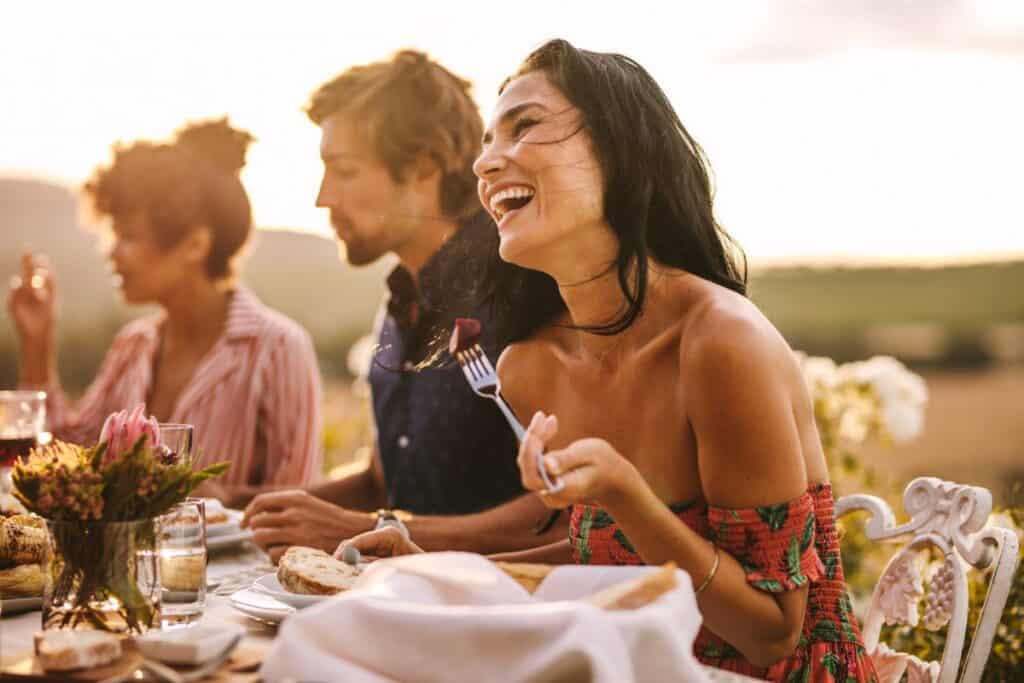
(888, 153)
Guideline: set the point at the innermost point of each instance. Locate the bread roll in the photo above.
(22, 581)
(528, 575)
(22, 541)
(636, 592)
(313, 572)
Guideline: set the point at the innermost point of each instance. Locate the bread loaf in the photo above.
(68, 650)
(636, 592)
(528, 575)
(22, 540)
(313, 572)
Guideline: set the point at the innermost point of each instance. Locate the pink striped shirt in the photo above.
(254, 398)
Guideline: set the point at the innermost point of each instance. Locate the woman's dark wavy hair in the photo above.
(658, 195)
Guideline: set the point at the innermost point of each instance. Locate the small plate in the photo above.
(261, 606)
(228, 540)
(19, 605)
(190, 646)
(224, 528)
(269, 584)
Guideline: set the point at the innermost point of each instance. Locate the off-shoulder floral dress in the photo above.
(781, 547)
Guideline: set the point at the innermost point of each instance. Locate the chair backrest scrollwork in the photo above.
(952, 518)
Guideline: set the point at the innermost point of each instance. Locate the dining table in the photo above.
(228, 570)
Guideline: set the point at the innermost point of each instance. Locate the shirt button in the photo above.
(403, 441)
(408, 366)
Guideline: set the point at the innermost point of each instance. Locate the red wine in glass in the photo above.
(13, 447)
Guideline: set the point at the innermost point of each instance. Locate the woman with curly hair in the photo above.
(215, 357)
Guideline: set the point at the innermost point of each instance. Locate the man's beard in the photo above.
(357, 252)
(353, 248)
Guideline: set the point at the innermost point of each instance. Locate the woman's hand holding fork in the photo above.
(590, 470)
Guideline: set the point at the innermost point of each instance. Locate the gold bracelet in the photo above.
(711, 572)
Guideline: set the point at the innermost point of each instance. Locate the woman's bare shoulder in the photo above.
(526, 368)
(722, 326)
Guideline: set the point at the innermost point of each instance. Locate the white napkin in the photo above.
(457, 617)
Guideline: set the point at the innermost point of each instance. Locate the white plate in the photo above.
(224, 528)
(19, 605)
(260, 606)
(228, 540)
(269, 584)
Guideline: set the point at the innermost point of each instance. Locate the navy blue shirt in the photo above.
(445, 450)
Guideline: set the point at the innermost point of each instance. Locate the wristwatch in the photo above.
(387, 518)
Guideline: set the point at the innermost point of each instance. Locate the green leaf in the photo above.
(831, 662)
(623, 541)
(793, 558)
(831, 565)
(601, 520)
(583, 542)
(826, 631)
(808, 536)
(798, 675)
(774, 516)
(770, 585)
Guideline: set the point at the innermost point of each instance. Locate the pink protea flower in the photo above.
(121, 431)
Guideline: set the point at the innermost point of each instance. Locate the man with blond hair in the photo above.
(398, 141)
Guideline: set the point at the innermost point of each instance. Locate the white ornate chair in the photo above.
(954, 519)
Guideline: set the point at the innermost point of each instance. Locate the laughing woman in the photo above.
(215, 357)
(671, 410)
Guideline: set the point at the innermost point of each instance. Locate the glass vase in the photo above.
(101, 575)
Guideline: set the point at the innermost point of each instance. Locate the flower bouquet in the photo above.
(100, 504)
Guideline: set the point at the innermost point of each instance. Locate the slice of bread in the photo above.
(22, 541)
(313, 572)
(219, 516)
(528, 575)
(65, 650)
(636, 592)
(22, 581)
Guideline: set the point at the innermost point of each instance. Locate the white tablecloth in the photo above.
(16, 630)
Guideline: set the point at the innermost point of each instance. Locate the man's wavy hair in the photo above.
(411, 107)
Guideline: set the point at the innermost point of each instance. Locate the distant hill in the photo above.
(958, 315)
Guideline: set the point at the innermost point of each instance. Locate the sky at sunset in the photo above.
(860, 130)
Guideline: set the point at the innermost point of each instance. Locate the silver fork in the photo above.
(483, 380)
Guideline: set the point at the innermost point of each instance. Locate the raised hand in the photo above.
(32, 302)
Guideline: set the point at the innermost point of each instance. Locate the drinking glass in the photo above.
(182, 552)
(177, 438)
(22, 416)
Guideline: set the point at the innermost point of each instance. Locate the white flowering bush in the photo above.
(855, 402)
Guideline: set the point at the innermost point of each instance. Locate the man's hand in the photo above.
(282, 519)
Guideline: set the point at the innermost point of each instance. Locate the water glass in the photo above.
(182, 551)
(177, 438)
